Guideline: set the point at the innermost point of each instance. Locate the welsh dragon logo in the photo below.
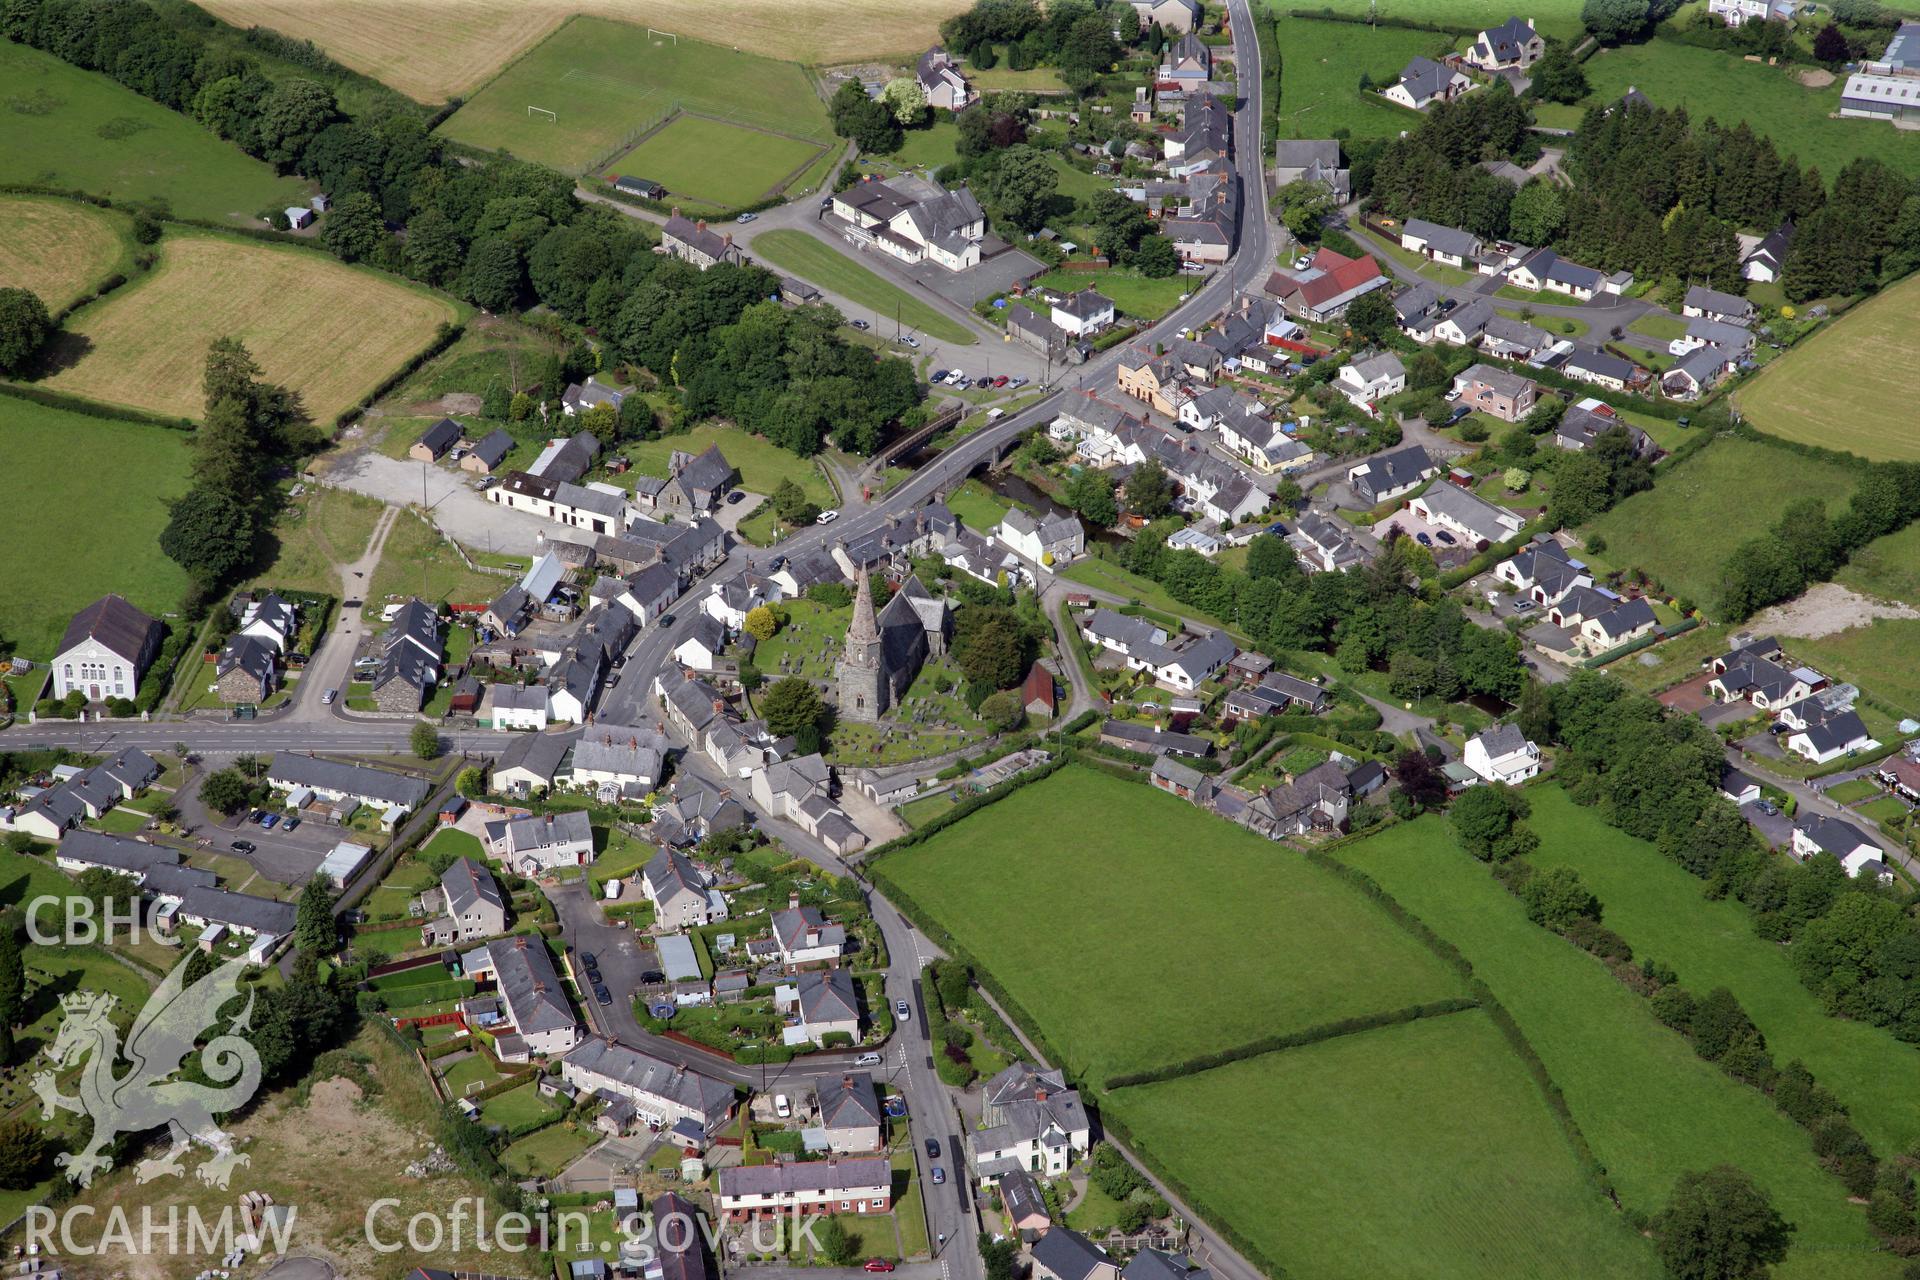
(147, 1097)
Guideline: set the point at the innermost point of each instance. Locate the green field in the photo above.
(608, 81)
(1682, 530)
(416, 561)
(1320, 78)
(1887, 567)
(1857, 361)
(1132, 293)
(761, 463)
(1559, 18)
(825, 266)
(59, 561)
(1648, 1106)
(1878, 657)
(68, 128)
(1129, 956)
(1723, 86)
(1422, 1149)
(682, 158)
(1656, 905)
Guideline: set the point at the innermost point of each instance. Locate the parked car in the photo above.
(1459, 411)
(1525, 606)
(735, 497)
(326, 699)
(908, 340)
(826, 202)
(1000, 381)
(602, 996)
(782, 1107)
(939, 1176)
(590, 960)
(868, 1060)
(746, 217)
(1423, 539)
(1016, 382)
(903, 1011)
(271, 821)
(982, 383)
(1769, 808)
(1302, 262)
(937, 377)
(933, 1148)
(291, 822)
(1446, 537)
(666, 619)
(652, 976)
(877, 1264)
(243, 846)
(827, 517)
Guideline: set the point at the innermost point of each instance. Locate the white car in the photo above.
(827, 517)
(957, 378)
(781, 1107)
(1302, 262)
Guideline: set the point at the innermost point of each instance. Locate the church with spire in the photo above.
(886, 648)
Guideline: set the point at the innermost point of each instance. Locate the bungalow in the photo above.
(1440, 243)
(1386, 476)
(485, 456)
(1502, 754)
(1513, 45)
(1754, 672)
(1180, 780)
(1545, 269)
(1367, 380)
(530, 992)
(1277, 694)
(532, 762)
(83, 850)
(1853, 848)
(579, 397)
(1697, 373)
(1627, 621)
(1737, 13)
(105, 650)
(1704, 331)
(1586, 420)
(1822, 734)
(1544, 571)
(1480, 522)
(1601, 368)
(205, 906)
(1901, 775)
(436, 440)
(1424, 81)
(1767, 261)
(1327, 286)
(1152, 740)
(1490, 389)
(1737, 786)
(861, 1185)
(334, 783)
(1714, 305)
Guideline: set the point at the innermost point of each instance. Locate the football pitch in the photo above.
(681, 157)
(594, 86)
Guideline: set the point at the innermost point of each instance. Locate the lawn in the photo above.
(1877, 657)
(459, 844)
(680, 157)
(516, 1107)
(317, 532)
(1422, 1149)
(1662, 325)
(1320, 82)
(1565, 326)
(68, 128)
(1068, 932)
(1887, 567)
(1133, 294)
(761, 463)
(546, 1153)
(917, 813)
(1671, 661)
(928, 148)
(1439, 272)
(821, 264)
(59, 559)
(1107, 576)
(1711, 83)
(417, 561)
(608, 81)
(58, 249)
(622, 857)
(1683, 529)
(978, 507)
(329, 331)
(1648, 1106)
(1658, 907)
(1858, 362)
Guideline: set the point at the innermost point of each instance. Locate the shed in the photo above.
(299, 216)
(678, 959)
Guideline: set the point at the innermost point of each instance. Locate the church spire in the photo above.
(865, 629)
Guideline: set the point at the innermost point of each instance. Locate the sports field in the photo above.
(1320, 76)
(329, 331)
(1656, 905)
(1682, 530)
(1136, 948)
(682, 158)
(1649, 1107)
(433, 52)
(606, 82)
(827, 267)
(64, 127)
(1860, 361)
(66, 474)
(1421, 1149)
(57, 248)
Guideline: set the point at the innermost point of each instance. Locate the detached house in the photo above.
(1502, 754)
(1513, 45)
(1064, 1254)
(1713, 305)
(1312, 160)
(679, 892)
(1859, 854)
(1767, 261)
(105, 650)
(246, 670)
(939, 75)
(1424, 82)
(691, 241)
(1450, 245)
(472, 903)
(1031, 1122)
(1053, 538)
(822, 1003)
(1544, 571)
(1502, 393)
(1479, 522)
(1823, 734)
(1371, 379)
(1328, 285)
(804, 939)
(850, 1113)
(1756, 672)
(1386, 476)
(541, 842)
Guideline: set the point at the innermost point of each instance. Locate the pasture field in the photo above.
(1887, 567)
(682, 158)
(606, 81)
(329, 331)
(1656, 905)
(1649, 1107)
(1321, 68)
(1878, 657)
(1682, 530)
(1556, 18)
(67, 128)
(1419, 1149)
(62, 553)
(1856, 361)
(1066, 927)
(825, 266)
(57, 248)
(433, 52)
(1721, 85)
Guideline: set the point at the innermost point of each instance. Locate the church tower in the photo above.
(861, 672)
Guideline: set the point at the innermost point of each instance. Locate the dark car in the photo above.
(290, 823)
(734, 497)
(982, 383)
(601, 995)
(1423, 539)
(653, 976)
(1459, 412)
(1446, 537)
(666, 619)
(933, 1148)
(589, 959)
(242, 846)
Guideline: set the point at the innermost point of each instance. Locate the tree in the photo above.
(1830, 44)
(424, 740)
(602, 420)
(434, 251)
(1537, 213)
(291, 114)
(226, 791)
(1422, 784)
(1090, 493)
(209, 534)
(1612, 21)
(1557, 897)
(354, 229)
(24, 326)
(1557, 77)
(23, 1154)
(841, 1246)
(314, 931)
(760, 623)
(1302, 207)
(227, 453)
(906, 99)
(791, 504)
(1156, 258)
(1003, 711)
(791, 705)
(13, 976)
(492, 275)
(1719, 1225)
(1484, 818)
(471, 782)
(1020, 187)
(990, 647)
(998, 1253)
(1149, 490)
(1371, 315)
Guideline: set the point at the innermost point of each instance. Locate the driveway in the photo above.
(455, 506)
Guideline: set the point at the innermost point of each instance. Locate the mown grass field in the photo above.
(1682, 530)
(1131, 950)
(607, 80)
(417, 561)
(1878, 657)
(1658, 907)
(1132, 293)
(827, 267)
(1887, 567)
(432, 52)
(1649, 1107)
(63, 552)
(685, 158)
(1421, 1149)
(761, 463)
(67, 128)
(1845, 387)
(329, 331)
(57, 248)
(1320, 78)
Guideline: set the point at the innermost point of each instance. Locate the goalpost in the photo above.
(552, 116)
(668, 34)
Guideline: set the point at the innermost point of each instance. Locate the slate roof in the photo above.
(701, 1094)
(1714, 302)
(1394, 469)
(826, 995)
(239, 910)
(1832, 835)
(442, 436)
(115, 625)
(1068, 1255)
(528, 983)
(1452, 240)
(467, 883)
(811, 1175)
(1501, 740)
(1424, 79)
(494, 448)
(115, 853)
(849, 1102)
(296, 770)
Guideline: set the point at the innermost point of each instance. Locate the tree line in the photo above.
(1076, 37)
(1806, 545)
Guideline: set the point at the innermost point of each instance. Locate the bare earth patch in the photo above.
(1825, 610)
(1816, 78)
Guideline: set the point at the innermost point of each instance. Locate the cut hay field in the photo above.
(433, 52)
(62, 551)
(1128, 957)
(1682, 530)
(1421, 1149)
(1319, 87)
(72, 129)
(1846, 386)
(57, 248)
(1661, 909)
(607, 81)
(329, 331)
(1649, 1107)
(681, 158)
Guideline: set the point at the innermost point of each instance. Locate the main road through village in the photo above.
(306, 725)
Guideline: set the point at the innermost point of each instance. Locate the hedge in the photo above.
(612, 192)
(1365, 20)
(444, 337)
(91, 408)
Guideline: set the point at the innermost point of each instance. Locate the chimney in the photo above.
(1040, 1095)
(793, 901)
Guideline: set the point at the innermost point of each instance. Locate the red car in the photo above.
(1000, 381)
(878, 1264)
